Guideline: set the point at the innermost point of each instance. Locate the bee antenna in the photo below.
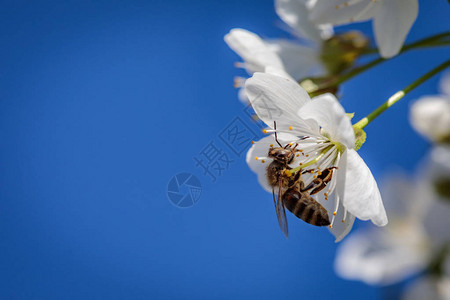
(276, 136)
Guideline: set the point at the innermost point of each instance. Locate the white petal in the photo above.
(275, 98)
(378, 256)
(430, 116)
(242, 96)
(298, 60)
(392, 24)
(337, 12)
(252, 49)
(444, 84)
(361, 196)
(295, 13)
(260, 149)
(278, 72)
(330, 115)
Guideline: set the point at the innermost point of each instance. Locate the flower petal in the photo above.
(444, 84)
(298, 60)
(252, 49)
(330, 115)
(392, 24)
(295, 13)
(275, 98)
(338, 12)
(362, 197)
(378, 256)
(430, 116)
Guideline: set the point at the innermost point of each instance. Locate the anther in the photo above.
(298, 155)
(264, 131)
(343, 221)
(271, 145)
(334, 213)
(290, 128)
(263, 161)
(331, 226)
(256, 157)
(253, 142)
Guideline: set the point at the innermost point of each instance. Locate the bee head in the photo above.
(281, 154)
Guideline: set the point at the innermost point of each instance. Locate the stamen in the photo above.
(263, 161)
(239, 65)
(271, 145)
(238, 82)
(334, 213)
(264, 131)
(290, 128)
(253, 142)
(261, 158)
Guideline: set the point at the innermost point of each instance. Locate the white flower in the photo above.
(418, 229)
(296, 59)
(392, 19)
(383, 256)
(430, 115)
(264, 55)
(329, 143)
(295, 13)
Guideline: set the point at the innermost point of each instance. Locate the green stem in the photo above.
(433, 41)
(400, 94)
(418, 44)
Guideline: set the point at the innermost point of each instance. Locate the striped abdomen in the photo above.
(305, 207)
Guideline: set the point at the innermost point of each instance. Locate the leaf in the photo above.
(360, 137)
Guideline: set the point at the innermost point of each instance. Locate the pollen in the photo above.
(290, 128)
(264, 131)
(335, 213)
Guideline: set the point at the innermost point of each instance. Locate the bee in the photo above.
(278, 178)
(292, 194)
(298, 201)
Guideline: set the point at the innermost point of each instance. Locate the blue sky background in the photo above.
(102, 102)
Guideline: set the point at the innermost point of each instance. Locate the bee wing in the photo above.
(279, 208)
